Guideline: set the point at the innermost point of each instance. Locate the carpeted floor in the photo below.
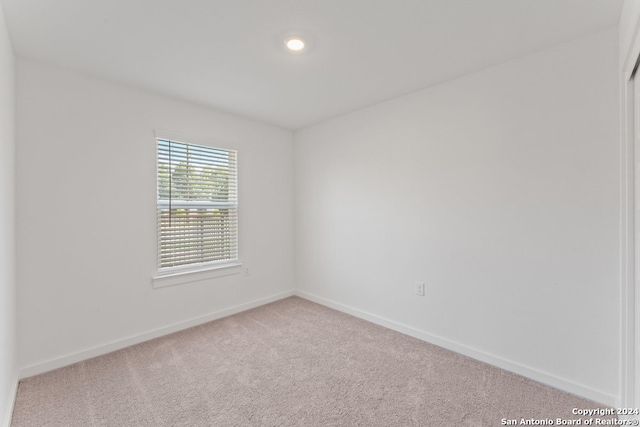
(289, 363)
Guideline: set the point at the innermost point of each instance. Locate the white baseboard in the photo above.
(536, 375)
(69, 359)
(6, 421)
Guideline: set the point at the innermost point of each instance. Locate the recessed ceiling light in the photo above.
(295, 44)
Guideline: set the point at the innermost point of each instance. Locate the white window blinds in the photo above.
(197, 205)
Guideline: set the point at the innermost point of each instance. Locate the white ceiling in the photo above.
(228, 54)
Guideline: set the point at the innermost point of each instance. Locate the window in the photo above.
(197, 208)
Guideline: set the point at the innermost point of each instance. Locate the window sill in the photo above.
(179, 278)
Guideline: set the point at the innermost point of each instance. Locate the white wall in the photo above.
(86, 215)
(8, 320)
(500, 190)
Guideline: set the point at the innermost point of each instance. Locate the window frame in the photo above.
(175, 275)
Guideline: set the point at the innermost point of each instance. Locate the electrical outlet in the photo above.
(420, 289)
(246, 271)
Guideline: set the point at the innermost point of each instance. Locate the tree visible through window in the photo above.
(197, 205)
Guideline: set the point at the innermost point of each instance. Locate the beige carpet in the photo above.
(289, 363)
